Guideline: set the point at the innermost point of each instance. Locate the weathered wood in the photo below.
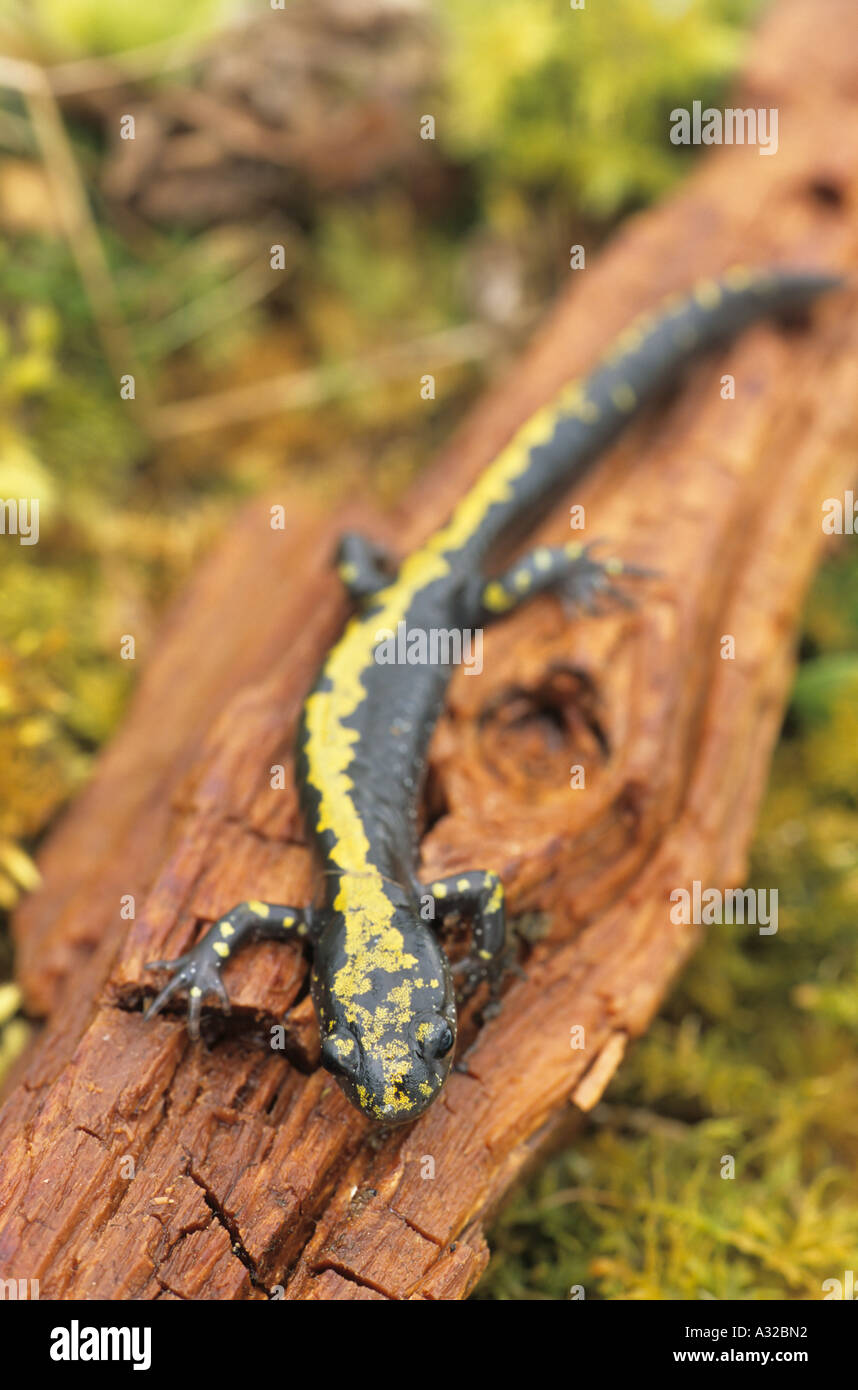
(251, 1170)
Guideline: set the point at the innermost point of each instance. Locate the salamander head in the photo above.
(388, 1019)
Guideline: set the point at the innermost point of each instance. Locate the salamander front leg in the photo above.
(198, 970)
(364, 567)
(479, 897)
(569, 570)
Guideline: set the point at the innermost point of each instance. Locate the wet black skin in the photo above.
(394, 724)
(430, 1058)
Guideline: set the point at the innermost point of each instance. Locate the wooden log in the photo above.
(134, 1164)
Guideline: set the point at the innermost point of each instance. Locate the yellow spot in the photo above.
(257, 908)
(439, 890)
(575, 401)
(343, 1045)
(425, 1089)
(522, 580)
(542, 558)
(220, 949)
(496, 598)
(348, 572)
(708, 294)
(288, 920)
(574, 550)
(485, 955)
(613, 566)
(195, 992)
(644, 324)
(302, 930)
(737, 278)
(624, 397)
(226, 929)
(434, 983)
(629, 341)
(463, 884)
(496, 900)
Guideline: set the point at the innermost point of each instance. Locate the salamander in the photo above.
(382, 987)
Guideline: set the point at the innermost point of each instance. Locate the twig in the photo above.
(76, 218)
(248, 286)
(150, 60)
(301, 390)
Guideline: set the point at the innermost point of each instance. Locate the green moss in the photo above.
(80, 27)
(548, 97)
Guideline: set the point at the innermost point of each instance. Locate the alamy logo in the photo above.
(840, 515)
(708, 906)
(432, 646)
(20, 517)
(19, 1288)
(841, 1288)
(76, 1343)
(733, 126)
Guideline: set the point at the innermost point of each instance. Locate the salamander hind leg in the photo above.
(571, 571)
(198, 970)
(480, 897)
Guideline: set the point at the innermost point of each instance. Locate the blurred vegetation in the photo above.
(580, 107)
(550, 127)
(80, 28)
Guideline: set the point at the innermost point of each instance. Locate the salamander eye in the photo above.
(442, 1041)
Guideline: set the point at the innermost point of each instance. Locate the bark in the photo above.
(250, 1171)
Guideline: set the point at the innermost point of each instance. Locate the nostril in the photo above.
(828, 192)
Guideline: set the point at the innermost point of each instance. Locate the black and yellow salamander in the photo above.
(381, 983)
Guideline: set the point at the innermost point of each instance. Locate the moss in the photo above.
(548, 97)
(79, 27)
